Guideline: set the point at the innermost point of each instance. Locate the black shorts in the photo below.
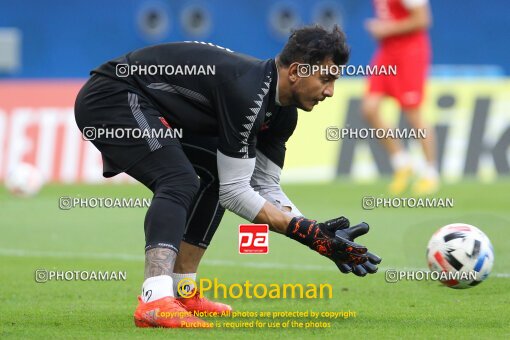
(104, 106)
(111, 104)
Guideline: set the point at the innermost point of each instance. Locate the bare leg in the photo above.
(189, 256)
(159, 261)
(398, 157)
(370, 109)
(428, 144)
(188, 259)
(186, 266)
(429, 181)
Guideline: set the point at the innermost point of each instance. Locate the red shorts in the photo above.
(407, 86)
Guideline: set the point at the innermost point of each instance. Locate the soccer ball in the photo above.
(24, 180)
(462, 253)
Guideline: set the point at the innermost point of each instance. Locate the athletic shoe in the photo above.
(199, 303)
(166, 312)
(400, 181)
(425, 186)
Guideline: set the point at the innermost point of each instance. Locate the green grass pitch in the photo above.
(36, 234)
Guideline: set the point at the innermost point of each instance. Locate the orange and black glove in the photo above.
(334, 239)
(340, 227)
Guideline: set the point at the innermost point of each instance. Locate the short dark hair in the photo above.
(313, 44)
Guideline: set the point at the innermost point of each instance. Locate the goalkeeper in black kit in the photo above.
(236, 114)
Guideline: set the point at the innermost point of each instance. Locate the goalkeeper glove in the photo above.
(334, 239)
(340, 227)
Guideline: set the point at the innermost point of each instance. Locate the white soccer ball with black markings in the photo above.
(463, 252)
(24, 180)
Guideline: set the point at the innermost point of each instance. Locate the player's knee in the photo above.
(181, 188)
(192, 185)
(414, 118)
(369, 109)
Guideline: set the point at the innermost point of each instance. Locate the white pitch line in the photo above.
(221, 263)
(59, 254)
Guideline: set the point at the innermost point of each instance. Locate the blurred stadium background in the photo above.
(47, 49)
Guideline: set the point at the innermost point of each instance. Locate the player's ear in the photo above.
(292, 72)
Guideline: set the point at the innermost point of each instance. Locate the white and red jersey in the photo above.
(397, 10)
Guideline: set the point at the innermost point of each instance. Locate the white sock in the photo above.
(400, 160)
(189, 286)
(430, 171)
(157, 287)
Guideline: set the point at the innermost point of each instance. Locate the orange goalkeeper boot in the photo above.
(166, 312)
(198, 303)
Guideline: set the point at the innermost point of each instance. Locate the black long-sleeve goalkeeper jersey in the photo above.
(211, 90)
